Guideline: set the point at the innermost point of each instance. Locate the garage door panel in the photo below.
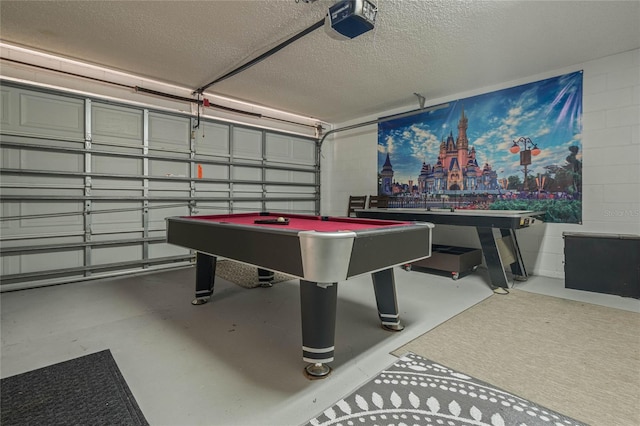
(212, 139)
(291, 191)
(168, 168)
(5, 109)
(172, 193)
(214, 171)
(169, 133)
(202, 187)
(289, 149)
(158, 213)
(36, 262)
(290, 176)
(103, 187)
(50, 217)
(247, 206)
(42, 191)
(130, 237)
(246, 173)
(106, 255)
(159, 185)
(115, 124)
(247, 143)
(307, 207)
(45, 114)
(247, 190)
(162, 250)
(212, 207)
(26, 181)
(33, 160)
(112, 216)
(120, 165)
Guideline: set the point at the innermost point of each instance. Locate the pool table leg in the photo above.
(265, 277)
(318, 308)
(205, 277)
(384, 286)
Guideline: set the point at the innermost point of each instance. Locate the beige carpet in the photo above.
(244, 275)
(579, 359)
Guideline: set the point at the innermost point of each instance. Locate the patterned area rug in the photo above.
(417, 391)
(244, 275)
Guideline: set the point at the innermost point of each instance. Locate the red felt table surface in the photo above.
(303, 222)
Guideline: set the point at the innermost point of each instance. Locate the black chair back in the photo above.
(356, 202)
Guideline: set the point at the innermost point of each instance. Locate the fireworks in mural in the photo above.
(517, 149)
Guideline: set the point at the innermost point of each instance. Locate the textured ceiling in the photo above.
(435, 48)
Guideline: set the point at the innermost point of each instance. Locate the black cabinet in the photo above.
(603, 263)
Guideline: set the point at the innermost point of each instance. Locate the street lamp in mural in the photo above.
(528, 149)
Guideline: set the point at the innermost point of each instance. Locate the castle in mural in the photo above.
(456, 171)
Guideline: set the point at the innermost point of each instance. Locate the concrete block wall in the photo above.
(611, 162)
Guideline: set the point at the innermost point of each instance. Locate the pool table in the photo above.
(321, 251)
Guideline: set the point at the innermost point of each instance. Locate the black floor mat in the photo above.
(86, 390)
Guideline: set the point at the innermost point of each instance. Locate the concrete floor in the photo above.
(236, 360)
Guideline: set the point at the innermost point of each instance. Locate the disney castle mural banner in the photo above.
(514, 149)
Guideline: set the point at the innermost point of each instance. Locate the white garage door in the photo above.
(86, 184)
